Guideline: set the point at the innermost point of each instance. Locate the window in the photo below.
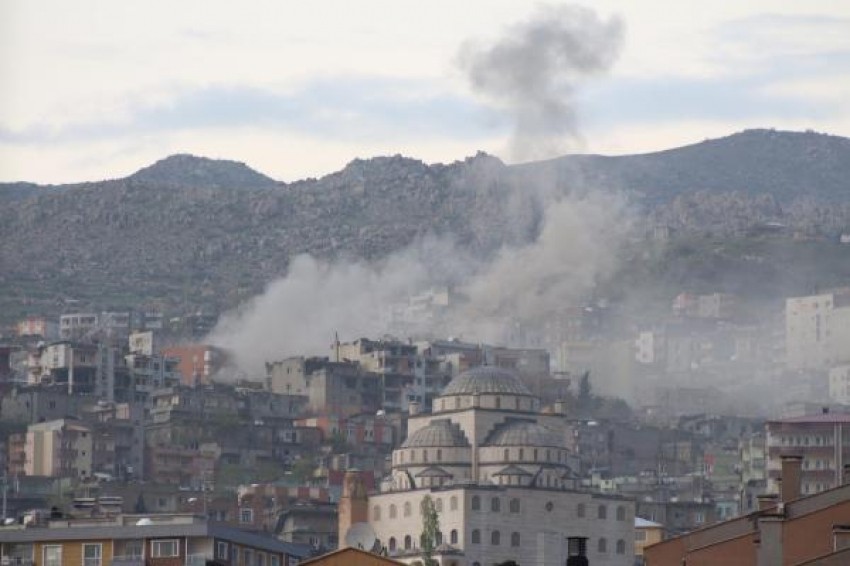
(581, 510)
(602, 545)
(602, 512)
(535, 454)
(249, 557)
(392, 511)
(164, 548)
(439, 538)
(453, 537)
(92, 554)
(476, 536)
(621, 513)
(438, 505)
(407, 509)
(507, 455)
(495, 505)
(53, 555)
(621, 546)
(453, 503)
(261, 559)
(274, 560)
(476, 503)
(392, 543)
(514, 505)
(515, 540)
(495, 538)
(439, 455)
(407, 542)
(376, 513)
(521, 454)
(246, 515)
(498, 402)
(235, 555)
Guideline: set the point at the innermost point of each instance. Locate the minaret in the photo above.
(353, 505)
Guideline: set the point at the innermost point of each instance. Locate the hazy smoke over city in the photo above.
(533, 71)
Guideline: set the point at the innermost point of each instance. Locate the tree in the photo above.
(430, 528)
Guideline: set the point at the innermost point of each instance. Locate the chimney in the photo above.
(413, 408)
(792, 467)
(767, 500)
(353, 505)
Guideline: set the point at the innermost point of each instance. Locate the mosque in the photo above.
(499, 472)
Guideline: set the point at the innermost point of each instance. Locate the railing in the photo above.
(128, 560)
(16, 561)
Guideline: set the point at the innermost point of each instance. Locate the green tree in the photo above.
(430, 528)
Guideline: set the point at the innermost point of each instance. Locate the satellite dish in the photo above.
(362, 536)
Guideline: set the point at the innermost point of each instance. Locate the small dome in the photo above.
(524, 433)
(440, 433)
(486, 379)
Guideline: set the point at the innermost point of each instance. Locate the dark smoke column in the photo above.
(532, 73)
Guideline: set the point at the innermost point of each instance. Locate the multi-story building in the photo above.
(786, 529)
(72, 364)
(196, 363)
(143, 540)
(498, 472)
(821, 440)
(817, 330)
(77, 325)
(60, 448)
(38, 326)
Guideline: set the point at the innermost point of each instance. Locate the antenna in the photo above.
(362, 536)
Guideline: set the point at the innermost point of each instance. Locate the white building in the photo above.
(817, 330)
(839, 384)
(499, 473)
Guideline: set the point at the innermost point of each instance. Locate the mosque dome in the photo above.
(524, 433)
(439, 433)
(486, 380)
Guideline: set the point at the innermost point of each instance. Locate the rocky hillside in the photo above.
(197, 232)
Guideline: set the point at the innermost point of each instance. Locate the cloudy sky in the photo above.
(98, 89)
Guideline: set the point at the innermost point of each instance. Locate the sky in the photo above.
(98, 89)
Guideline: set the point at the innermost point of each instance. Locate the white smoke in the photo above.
(299, 314)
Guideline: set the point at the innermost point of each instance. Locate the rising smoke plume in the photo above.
(533, 71)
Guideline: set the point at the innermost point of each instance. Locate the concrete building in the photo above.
(817, 330)
(498, 472)
(196, 363)
(38, 326)
(647, 533)
(60, 448)
(839, 384)
(823, 442)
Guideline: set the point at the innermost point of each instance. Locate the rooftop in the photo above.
(486, 379)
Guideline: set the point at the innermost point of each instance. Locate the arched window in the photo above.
(413, 455)
(548, 454)
(495, 505)
(621, 513)
(521, 453)
(392, 543)
(453, 537)
(438, 505)
(424, 455)
(495, 538)
(376, 513)
(515, 539)
(602, 512)
(602, 545)
(476, 503)
(476, 536)
(514, 505)
(498, 402)
(407, 509)
(392, 511)
(401, 456)
(507, 457)
(438, 538)
(535, 454)
(621, 546)
(453, 503)
(407, 542)
(581, 510)
(457, 402)
(516, 403)
(439, 455)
